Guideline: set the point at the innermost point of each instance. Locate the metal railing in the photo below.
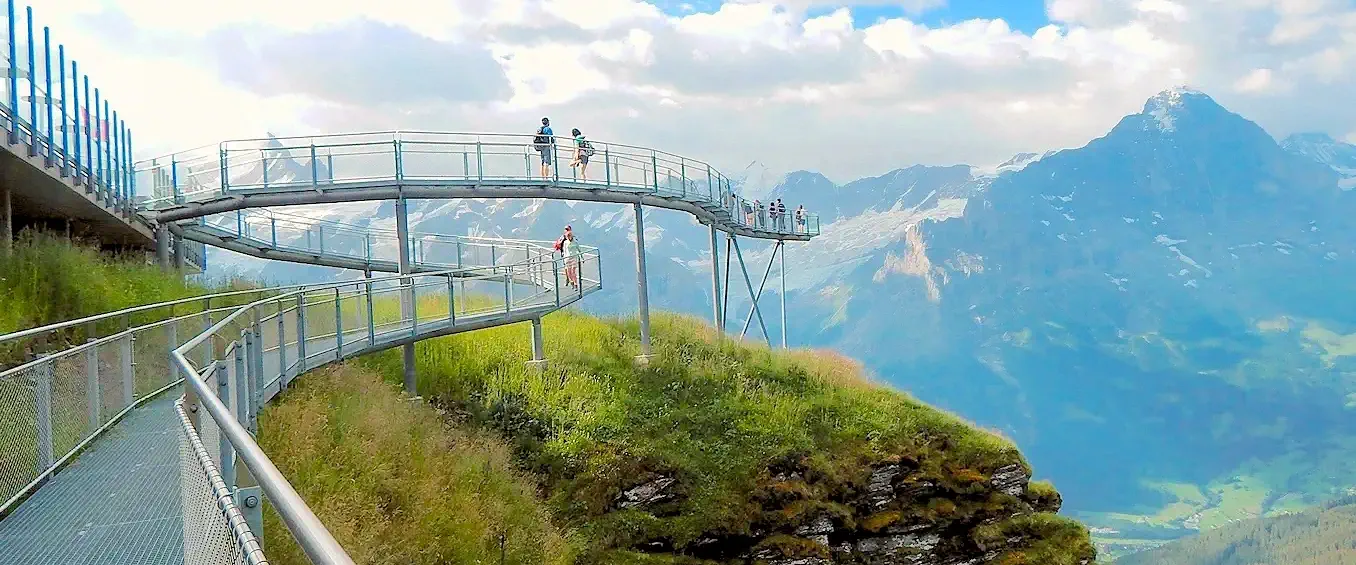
(52, 406)
(94, 152)
(451, 159)
(265, 345)
(378, 248)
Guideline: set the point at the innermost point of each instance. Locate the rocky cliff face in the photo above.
(892, 512)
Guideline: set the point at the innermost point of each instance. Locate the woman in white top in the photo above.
(571, 251)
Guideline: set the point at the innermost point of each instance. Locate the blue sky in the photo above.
(1023, 15)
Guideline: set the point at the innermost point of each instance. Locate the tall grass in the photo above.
(46, 279)
(717, 416)
(396, 486)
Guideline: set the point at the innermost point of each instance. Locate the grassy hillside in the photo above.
(46, 279)
(727, 445)
(1320, 536)
(395, 485)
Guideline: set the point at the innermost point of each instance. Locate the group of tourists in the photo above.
(772, 215)
(757, 215)
(544, 142)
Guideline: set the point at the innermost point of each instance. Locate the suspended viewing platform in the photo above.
(128, 437)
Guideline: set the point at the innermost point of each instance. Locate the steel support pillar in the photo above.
(725, 298)
(642, 284)
(162, 246)
(715, 284)
(406, 293)
(179, 261)
(538, 345)
(782, 244)
(748, 283)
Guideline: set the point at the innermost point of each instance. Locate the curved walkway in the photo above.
(103, 507)
(408, 164)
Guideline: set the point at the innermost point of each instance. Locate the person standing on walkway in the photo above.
(582, 151)
(544, 142)
(570, 250)
(800, 218)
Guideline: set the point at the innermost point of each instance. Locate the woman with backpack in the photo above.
(570, 250)
(582, 151)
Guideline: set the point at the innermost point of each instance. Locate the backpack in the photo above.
(585, 148)
(560, 244)
(541, 141)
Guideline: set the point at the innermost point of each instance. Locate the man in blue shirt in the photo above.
(544, 142)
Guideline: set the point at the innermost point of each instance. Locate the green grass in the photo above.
(396, 486)
(47, 279)
(718, 417)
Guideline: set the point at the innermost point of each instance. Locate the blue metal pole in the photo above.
(89, 140)
(47, 76)
(106, 136)
(65, 117)
(174, 178)
(13, 79)
(113, 165)
(129, 173)
(32, 89)
(97, 148)
(75, 120)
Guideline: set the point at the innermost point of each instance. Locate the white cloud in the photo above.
(754, 80)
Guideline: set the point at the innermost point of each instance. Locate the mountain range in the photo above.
(1159, 318)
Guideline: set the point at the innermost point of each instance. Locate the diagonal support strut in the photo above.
(748, 283)
(761, 285)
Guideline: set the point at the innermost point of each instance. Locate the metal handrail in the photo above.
(311, 535)
(662, 171)
(128, 311)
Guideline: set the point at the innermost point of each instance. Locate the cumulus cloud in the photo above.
(790, 83)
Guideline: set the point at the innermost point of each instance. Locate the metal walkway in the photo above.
(118, 503)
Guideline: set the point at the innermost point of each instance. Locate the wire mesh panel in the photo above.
(20, 457)
(208, 538)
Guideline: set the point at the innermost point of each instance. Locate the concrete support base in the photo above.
(644, 360)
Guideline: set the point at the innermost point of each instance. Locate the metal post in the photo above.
(90, 182)
(47, 76)
(209, 344)
(338, 327)
(407, 290)
(162, 246)
(92, 396)
(642, 283)
(179, 260)
(782, 245)
(263, 157)
(242, 391)
(96, 138)
(65, 117)
(42, 396)
(451, 301)
(725, 296)
(32, 88)
(371, 323)
(13, 79)
(225, 449)
(749, 284)
(74, 123)
(315, 167)
(538, 348)
(508, 291)
(301, 333)
(282, 345)
(255, 345)
(715, 281)
(129, 377)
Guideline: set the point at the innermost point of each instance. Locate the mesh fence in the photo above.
(208, 538)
